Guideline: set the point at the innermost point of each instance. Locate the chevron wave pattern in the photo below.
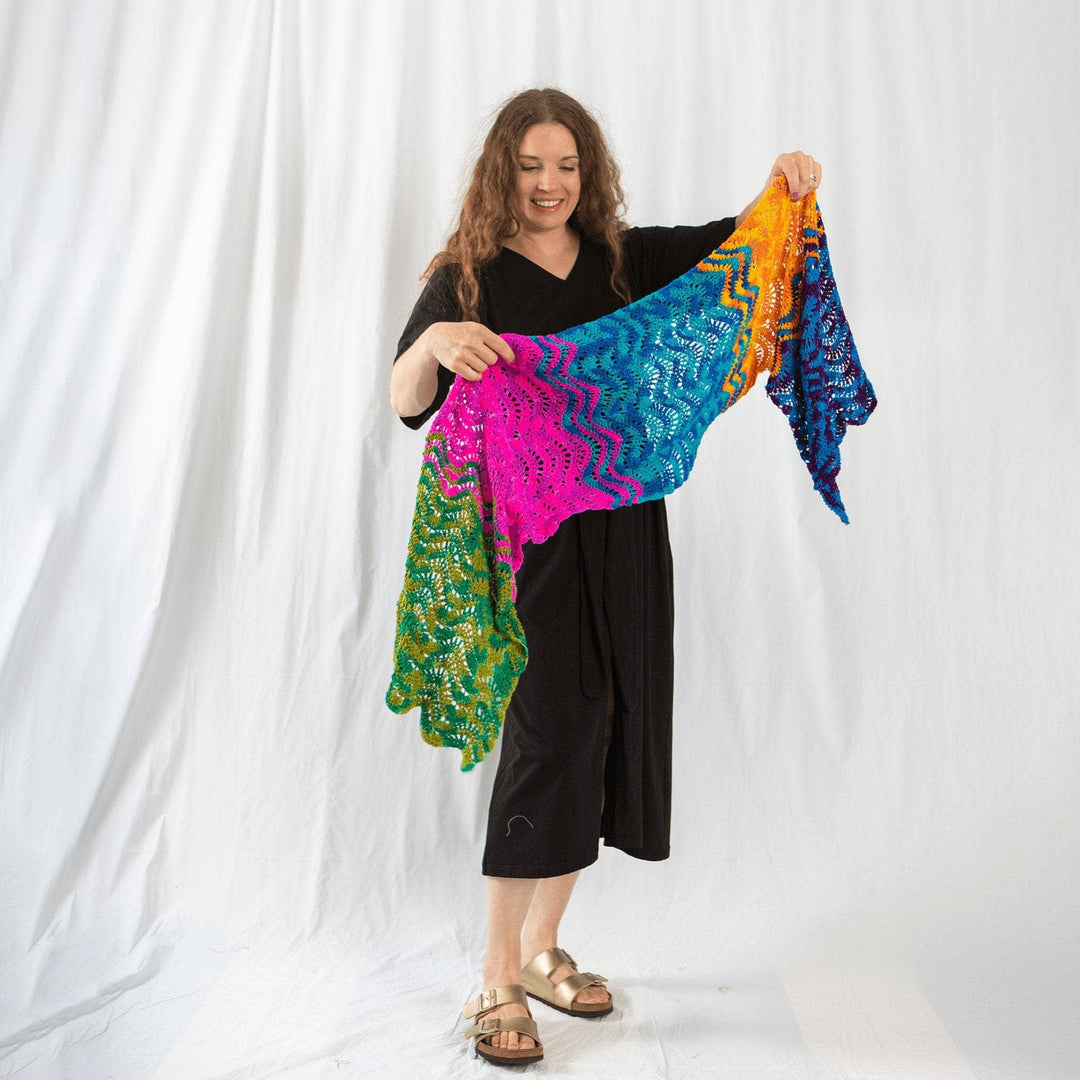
(602, 415)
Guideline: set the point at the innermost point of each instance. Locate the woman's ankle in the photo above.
(534, 945)
(501, 974)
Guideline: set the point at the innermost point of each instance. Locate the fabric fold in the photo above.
(599, 416)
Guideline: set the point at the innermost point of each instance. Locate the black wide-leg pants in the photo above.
(596, 602)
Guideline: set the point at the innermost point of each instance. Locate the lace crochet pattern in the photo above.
(599, 416)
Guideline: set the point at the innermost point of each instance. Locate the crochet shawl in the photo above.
(599, 416)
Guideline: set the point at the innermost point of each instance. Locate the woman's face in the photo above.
(549, 181)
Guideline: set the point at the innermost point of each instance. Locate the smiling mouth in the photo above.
(546, 204)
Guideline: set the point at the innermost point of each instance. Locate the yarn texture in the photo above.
(599, 416)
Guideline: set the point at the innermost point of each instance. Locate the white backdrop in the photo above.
(222, 856)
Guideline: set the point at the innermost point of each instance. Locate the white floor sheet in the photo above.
(221, 856)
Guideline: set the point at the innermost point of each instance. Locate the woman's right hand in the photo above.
(467, 349)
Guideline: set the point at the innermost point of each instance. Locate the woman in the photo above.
(586, 745)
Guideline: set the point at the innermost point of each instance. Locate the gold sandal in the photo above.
(535, 977)
(484, 1029)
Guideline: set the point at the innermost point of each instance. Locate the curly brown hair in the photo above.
(488, 214)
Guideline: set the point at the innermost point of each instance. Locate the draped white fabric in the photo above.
(222, 856)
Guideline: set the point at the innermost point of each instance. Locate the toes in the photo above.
(593, 995)
(511, 1040)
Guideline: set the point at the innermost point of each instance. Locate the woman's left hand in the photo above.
(803, 175)
(802, 171)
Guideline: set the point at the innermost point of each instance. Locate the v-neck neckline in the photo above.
(544, 270)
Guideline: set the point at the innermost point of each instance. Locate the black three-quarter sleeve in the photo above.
(437, 303)
(658, 254)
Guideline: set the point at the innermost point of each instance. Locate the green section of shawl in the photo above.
(478, 647)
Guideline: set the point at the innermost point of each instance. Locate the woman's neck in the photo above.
(554, 251)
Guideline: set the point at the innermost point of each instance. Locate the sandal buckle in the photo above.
(488, 999)
(488, 1027)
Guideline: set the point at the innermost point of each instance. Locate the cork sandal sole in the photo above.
(585, 1008)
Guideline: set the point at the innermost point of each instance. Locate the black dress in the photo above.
(596, 602)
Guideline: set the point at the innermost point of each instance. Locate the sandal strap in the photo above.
(566, 990)
(546, 962)
(537, 972)
(493, 997)
(492, 1025)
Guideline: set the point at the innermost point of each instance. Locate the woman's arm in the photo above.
(803, 175)
(467, 349)
(414, 379)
